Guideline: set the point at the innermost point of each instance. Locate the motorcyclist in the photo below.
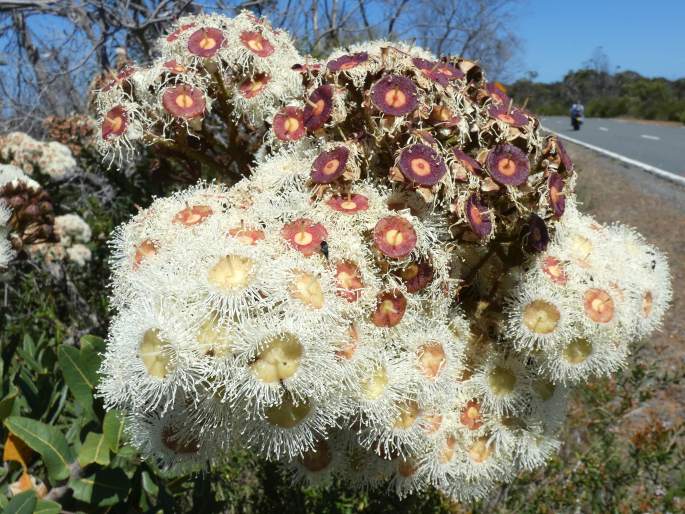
(577, 112)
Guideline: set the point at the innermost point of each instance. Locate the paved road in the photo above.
(657, 145)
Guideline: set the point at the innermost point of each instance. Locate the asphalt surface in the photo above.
(661, 146)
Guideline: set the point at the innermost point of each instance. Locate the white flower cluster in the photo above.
(399, 296)
(594, 290)
(320, 332)
(51, 158)
(74, 234)
(238, 69)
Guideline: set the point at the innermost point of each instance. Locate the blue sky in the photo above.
(643, 36)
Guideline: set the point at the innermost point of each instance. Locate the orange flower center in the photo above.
(506, 167)
(291, 124)
(420, 166)
(331, 167)
(395, 98)
(184, 101)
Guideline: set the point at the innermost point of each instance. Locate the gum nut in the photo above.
(214, 338)
(431, 359)
(288, 414)
(394, 236)
(184, 101)
(253, 87)
(439, 72)
(318, 458)
(508, 165)
(349, 204)
(647, 304)
(155, 355)
(421, 164)
(480, 451)
(598, 305)
(478, 216)
(279, 360)
(205, 42)
(557, 200)
(330, 165)
(577, 351)
(231, 273)
(512, 117)
(390, 308)
(468, 162)
(502, 381)
(192, 215)
(176, 33)
(541, 317)
(318, 110)
(256, 43)
(288, 124)
(394, 95)
(406, 468)
(497, 95)
(470, 415)
(115, 123)
(174, 67)
(375, 385)
(348, 280)
(564, 158)
(409, 411)
(307, 288)
(417, 276)
(246, 236)
(144, 250)
(347, 62)
(554, 269)
(348, 347)
(537, 236)
(304, 235)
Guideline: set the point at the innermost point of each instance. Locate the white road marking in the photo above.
(647, 167)
(647, 136)
(604, 129)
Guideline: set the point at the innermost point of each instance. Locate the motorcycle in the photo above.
(576, 121)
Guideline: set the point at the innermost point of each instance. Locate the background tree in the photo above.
(50, 50)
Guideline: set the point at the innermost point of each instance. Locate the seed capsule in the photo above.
(395, 95)
(422, 165)
(508, 165)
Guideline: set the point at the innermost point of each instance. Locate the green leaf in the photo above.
(80, 373)
(7, 403)
(103, 488)
(94, 344)
(23, 503)
(47, 440)
(47, 507)
(113, 428)
(94, 449)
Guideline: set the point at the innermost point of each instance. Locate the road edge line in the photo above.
(667, 175)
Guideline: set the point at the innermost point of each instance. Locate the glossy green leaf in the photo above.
(47, 507)
(23, 503)
(80, 373)
(46, 440)
(94, 449)
(103, 488)
(113, 428)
